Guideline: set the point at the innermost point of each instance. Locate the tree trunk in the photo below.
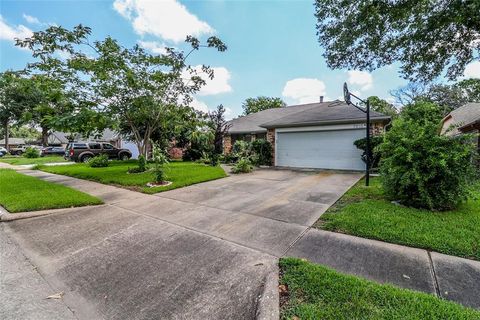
(7, 133)
(44, 137)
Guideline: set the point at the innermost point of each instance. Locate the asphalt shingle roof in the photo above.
(462, 116)
(300, 115)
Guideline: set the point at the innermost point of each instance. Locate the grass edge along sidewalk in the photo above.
(312, 291)
(22, 193)
(365, 212)
(181, 174)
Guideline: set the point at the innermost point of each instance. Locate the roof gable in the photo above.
(300, 115)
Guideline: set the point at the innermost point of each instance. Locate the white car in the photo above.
(3, 151)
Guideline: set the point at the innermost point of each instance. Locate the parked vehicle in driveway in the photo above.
(3, 151)
(82, 152)
(19, 150)
(52, 151)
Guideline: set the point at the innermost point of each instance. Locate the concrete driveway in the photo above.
(207, 251)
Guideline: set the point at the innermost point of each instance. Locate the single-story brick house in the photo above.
(316, 135)
(465, 119)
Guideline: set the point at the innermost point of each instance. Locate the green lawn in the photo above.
(19, 160)
(364, 211)
(180, 173)
(317, 292)
(19, 193)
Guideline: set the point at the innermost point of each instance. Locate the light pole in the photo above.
(348, 99)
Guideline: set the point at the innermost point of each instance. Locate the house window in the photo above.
(261, 136)
(241, 137)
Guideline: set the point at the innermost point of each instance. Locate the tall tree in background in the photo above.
(17, 94)
(252, 105)
(382, 106)
(446, 97)
(425, 36)
(220, 128)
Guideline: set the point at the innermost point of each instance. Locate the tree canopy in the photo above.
(382, 106)
(17, 95)
(426, 37)
(126, 89)
(252, 105)
(447, 97)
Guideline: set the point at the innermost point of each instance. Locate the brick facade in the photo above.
(271, 139)
(227, 144)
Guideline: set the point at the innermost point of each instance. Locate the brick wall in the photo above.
(227, 144)
(271, 139)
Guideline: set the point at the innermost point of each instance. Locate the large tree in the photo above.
(122, 87)
(252, 105)
(425, 36)
(446, 96)
(382, 106)
(17, 94)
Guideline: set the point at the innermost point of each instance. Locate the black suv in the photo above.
(82, 152)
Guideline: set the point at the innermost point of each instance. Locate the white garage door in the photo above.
(320, 149)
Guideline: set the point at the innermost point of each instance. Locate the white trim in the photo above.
(348, 126)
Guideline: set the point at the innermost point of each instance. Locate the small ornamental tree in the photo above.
(219, 126)
(423, 169)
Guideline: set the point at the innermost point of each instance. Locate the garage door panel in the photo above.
(320, 149)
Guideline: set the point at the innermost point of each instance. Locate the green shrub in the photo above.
(241, 149)
(422, 113)
(201, 143)
(99, 161)
(242, 166)
(159, 158)
(31, 152)
(261, 152)
(375, 142)
(142, 165)
(424, 169)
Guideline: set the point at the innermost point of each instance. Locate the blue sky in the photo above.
(272, 46)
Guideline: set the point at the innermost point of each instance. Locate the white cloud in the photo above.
(219, 84)
(472, 70)
(361, 78)
(153, 46)
(8, 32)
(199, 105)
(31, 19)
(168, 19)
(304, 90)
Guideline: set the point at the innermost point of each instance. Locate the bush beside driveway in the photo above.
(20, 193)
(365, 212)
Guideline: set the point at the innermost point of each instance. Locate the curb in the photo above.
(6, 216)
(269, 300)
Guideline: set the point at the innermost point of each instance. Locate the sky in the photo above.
(272, 45)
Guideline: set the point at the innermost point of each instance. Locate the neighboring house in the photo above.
(316, 135)
(12, 142)
(465, 119)
(57, 138)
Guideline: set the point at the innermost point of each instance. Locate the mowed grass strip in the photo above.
(19, 160)
(181, 174)
(365, 212)
(317, 292)
(20, 193)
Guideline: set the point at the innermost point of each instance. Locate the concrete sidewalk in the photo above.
(446, 276)
(23, 291)
(259, 217)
